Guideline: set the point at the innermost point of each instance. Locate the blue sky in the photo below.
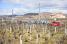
(25, 6)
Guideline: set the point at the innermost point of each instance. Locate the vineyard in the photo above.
(12, 32)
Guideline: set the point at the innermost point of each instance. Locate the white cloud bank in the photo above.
(47, 5)
(17, 11)
(5, 12)
(34, 3)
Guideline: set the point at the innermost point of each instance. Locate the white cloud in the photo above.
(51, 5)
(13, 1)
(5, 12)
(34, 3)
(19, 11)
(57, 11)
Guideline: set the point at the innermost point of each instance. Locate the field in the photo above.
(12, 32)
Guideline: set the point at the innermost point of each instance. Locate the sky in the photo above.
(27, 6)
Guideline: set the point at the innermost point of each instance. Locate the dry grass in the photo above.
(31, 34)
